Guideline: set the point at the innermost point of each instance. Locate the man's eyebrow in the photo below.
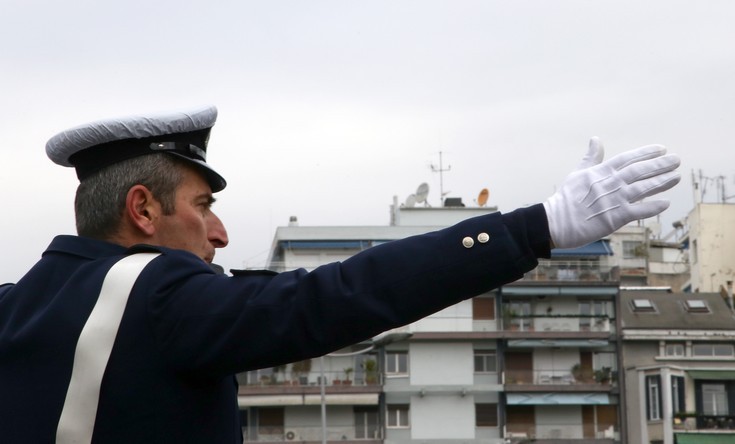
(207, 197)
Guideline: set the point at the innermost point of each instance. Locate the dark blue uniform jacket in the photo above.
(187, 330)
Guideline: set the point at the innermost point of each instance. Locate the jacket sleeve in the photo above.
(220, 325)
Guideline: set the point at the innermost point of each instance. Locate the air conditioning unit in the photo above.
(291, 435)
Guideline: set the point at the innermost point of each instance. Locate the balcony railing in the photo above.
(522, 432)
(559, 270)
(558, 322)
(603, 377)
(341, 434)
(704, 422)
(331, 378)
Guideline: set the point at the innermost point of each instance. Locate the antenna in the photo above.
(482, 198)
(441, 171)
(410, 201)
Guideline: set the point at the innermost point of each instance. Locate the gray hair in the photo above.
(100, 199)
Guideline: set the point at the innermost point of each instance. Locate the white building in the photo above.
(711, 242)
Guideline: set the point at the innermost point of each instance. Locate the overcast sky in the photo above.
(330, 108)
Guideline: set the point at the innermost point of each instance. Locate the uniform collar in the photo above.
(84, 247)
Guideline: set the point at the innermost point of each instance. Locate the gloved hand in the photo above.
(600, 197)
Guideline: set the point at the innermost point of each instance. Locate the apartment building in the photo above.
(679, 360)
(559, 350)
(710, 246)
(535, 360)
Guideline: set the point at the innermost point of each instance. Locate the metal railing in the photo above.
(693, 421)
(271, 434)
(603, 376)
(560, 270)
(569, 432)
(558, 322)
(313, 378)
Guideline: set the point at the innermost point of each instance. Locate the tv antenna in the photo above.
(441, 171)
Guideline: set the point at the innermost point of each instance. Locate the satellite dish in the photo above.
(422, 192)
(410, 201)
(482, 198)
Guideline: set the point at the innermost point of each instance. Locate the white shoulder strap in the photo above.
(93, 350)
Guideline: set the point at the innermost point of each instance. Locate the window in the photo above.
(677, 394)
(694, 251)
(397, 416)
(712, 350)
(643, 306)
(396, 363)
(589, 311)
(520, 315)
(366, 422)
(485, 361)
(483, 309)
(653, 397)
(696, 306)
(632, 249)
(714, 400)
(486, 415)
(270, 421)
(674, 349)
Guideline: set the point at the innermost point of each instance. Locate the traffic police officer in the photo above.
(125, 334)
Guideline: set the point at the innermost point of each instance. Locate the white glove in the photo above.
(600, 197)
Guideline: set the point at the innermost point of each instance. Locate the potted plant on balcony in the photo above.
(685, 420)
(348, 371)
(603, 375)
(299, 372)
(508, 315)
(371, 371)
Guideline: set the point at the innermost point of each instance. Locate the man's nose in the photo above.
(217, 234)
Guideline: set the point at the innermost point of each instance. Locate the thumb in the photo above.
(595, 154)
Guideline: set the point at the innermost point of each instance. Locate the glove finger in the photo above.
(630, 157)
(644, 210)
(649, 168)
(654, 185)
(595, 154)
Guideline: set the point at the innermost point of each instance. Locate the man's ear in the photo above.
(142, 209)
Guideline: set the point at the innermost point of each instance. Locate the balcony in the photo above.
(695, 422)
(312, 434)
(269, 383)
(554, 433)
(554, 379)
(551, 323)
(560, 270)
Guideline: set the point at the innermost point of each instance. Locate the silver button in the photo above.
(483, 238)
(468, 242)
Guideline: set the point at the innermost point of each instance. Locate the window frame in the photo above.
(653, 398)
(713, 350)
(675, 345)
(399, 412)
(485, 354)
(482, 415)
(393, 363)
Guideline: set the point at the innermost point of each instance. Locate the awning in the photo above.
(713, 375)
(326, 245)
(574, 343)
(704, 438)
(517, 290)
(597, 248)
(286, 400)
(558, 399)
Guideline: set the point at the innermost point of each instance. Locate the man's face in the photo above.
(193, 226)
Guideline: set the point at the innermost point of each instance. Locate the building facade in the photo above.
(679, 360)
